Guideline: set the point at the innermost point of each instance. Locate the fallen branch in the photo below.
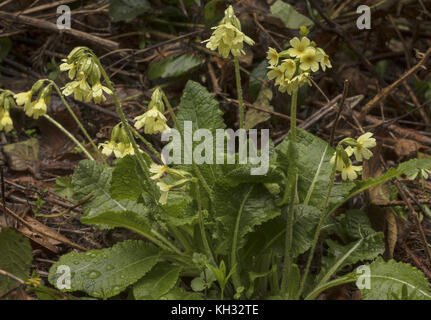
(382, 94)
(49, 26)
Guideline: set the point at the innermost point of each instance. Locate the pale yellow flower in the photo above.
(36, 108)
(80, 89)
(97, 92)
(228, 39)
(6, 123)
(123, 149)
(273, 57)
(365, 142)
(350, 172)
(310, 60)
(164, 188)
(340, 161)
(324, 62)
(23, 98)
(108, 147)
(288, 85)
(159, 170)
(423, 173)
(153, 121)
(276, 73)
(289, 67)
(298, 46)
(71, 67)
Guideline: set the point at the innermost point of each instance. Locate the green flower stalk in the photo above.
(228, 38)
(290, 70)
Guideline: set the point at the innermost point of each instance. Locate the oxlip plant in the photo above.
(213, 231)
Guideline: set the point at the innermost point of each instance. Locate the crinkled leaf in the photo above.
(367, 245)
(93, 178)
(127, 180)
(157, 282)
(63, 186)
(200, 107)
(15, 258)
(290, 17)
(250, 205)
(134, 217)
(179, 209)
(107, 272)
(389, 278)
(304, 226)
(127, 10)
(173, 66)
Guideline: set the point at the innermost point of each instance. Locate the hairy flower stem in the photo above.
(239, 90)
(147, 144)
(120, 112)
(292, 182)
(322, 219)
(195, 167)
(77, 120)
(236, 279)
(202, 227)
(58, 125)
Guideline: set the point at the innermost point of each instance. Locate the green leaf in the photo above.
(134, 217)
(127, 180)
(314, 169)
(248, 206)
(290, 17)
(389, 278)
(157, 282)
(107, 272)
(15, 258)
(5, 46)
(366, 245)
(178, 293)
(200, 107)
(314, 172)
(304, 226)
(63, 187)
(127, 10)
(173, 66)
(214, 11)
(93, 178)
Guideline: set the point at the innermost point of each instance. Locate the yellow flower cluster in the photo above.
(228, 37)
(85, 73)
(360, 148)
(153, 120)
(119, 144)
(37, 107)
(6, 102)
(292, 68)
